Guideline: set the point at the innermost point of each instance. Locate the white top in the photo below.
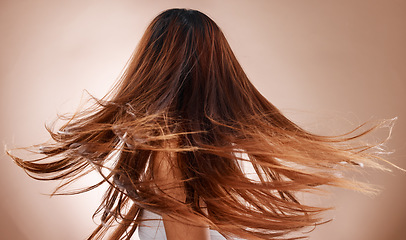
(154, 229)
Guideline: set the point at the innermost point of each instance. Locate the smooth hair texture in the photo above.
(184, 105)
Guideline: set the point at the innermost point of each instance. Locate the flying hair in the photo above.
(174, 133)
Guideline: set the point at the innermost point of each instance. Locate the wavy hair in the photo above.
(184, 107)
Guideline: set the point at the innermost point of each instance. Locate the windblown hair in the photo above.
(184, 106)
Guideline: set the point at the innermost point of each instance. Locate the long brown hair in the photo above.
(184, 94)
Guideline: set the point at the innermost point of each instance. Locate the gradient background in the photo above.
(329, 65)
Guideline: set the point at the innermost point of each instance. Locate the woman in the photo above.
(175, 135)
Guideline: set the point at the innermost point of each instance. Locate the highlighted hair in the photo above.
(185, 107)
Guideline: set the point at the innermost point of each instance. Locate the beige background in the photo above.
(329, 65)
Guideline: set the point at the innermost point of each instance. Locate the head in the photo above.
(185, 67)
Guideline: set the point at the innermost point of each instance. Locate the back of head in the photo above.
(185, 67)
